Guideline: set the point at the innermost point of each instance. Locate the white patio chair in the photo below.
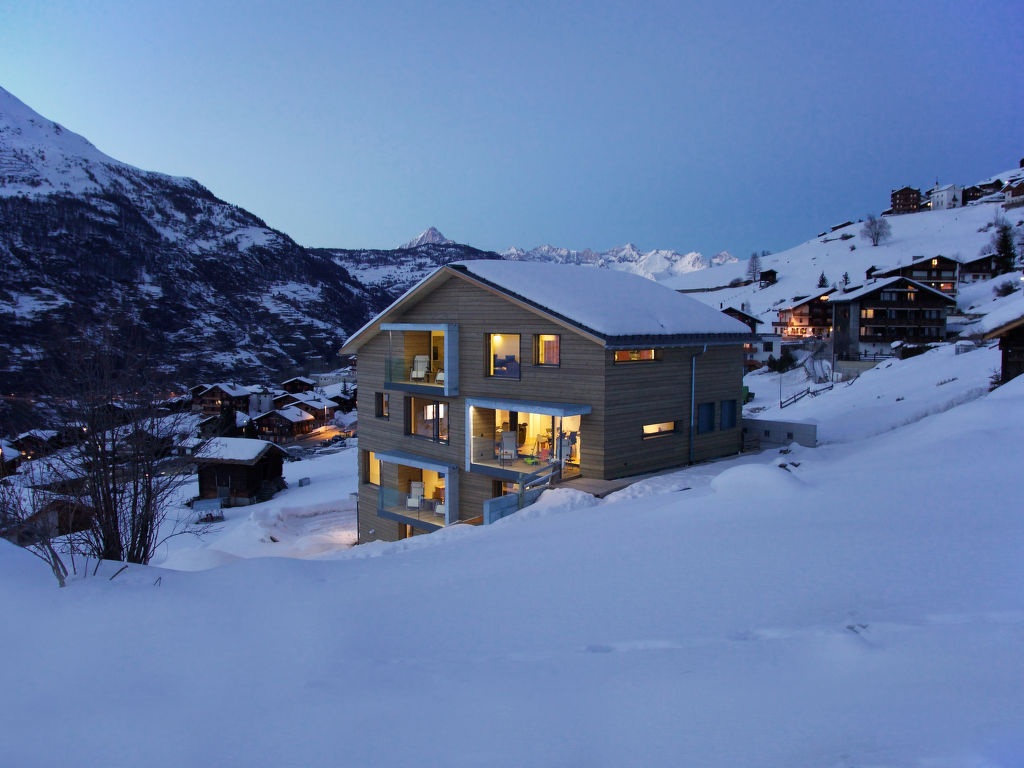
(507, 448)
(420, 366)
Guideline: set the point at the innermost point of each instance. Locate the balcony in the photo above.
(422, 357)
(418, 491)
(405, 507)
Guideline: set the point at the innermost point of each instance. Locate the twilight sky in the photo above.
(693, 126)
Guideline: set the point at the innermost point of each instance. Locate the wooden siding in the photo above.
(622, 397)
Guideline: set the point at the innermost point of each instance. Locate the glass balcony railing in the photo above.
(432, 511)
(401, 371)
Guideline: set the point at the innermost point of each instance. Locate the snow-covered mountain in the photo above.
(87, 241)
(658, 264)
(429, 236)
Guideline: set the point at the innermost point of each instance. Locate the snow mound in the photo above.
(756, 480)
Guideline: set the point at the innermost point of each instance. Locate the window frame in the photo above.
(654, 358)
(733, 411)
(537, 342)
(369, 459)
(489, 356)
(426, 402)
(674, 427)
(700, 420)
(382, 405)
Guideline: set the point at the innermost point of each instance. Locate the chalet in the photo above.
(239, 471)
(981, 268)
(905, 200)
(321, 409)
(752, 360)
(298, 384)
(35, 442)
(490, 376)
(283, 425)
(1014, 195)
(869, 319)
(807, 317)
(219, 397)
(938, 272)
(1011, 343)
(768, 277)
(224, 425)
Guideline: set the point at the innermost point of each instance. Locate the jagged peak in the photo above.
(429, 236)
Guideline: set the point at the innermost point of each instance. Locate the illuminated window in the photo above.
(503, 355)
(867, 314)
(427, 419)
(382, 407)
(664, 428)
(372, 468)
(935, 262)
(634, 355)
(546, 349)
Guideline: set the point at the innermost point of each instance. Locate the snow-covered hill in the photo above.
(959, 233)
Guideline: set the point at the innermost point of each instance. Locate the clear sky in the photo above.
(693, 126)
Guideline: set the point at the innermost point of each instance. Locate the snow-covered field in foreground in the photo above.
(863, 606)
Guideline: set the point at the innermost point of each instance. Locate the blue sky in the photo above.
(713, 126)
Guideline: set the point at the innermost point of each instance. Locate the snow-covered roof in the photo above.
(38, 434)
(817, 293)
(880, 284)
(302, 379)
(231, 390)
(240, 449)
(609, 303)
(291, 413)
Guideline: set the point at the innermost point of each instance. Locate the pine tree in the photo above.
(822, 280)
(1002, 244)
(846, 278)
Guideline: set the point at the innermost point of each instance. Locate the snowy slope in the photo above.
(832, 613)
(960, 232)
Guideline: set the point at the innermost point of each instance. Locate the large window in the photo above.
(728, 414)
(705, 418)
(634, 355)
(427, 419)
(503, 355)
(664, 428)
(546, 349)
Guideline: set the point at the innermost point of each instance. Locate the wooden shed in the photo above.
(239, 470)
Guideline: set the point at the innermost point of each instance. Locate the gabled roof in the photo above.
(883, 284)
(235, 450)
(818, 293)
(881, 270)
(747, 315)
(610, 307)
(1005, 327)
(229, 389)
(301, 379)
(290, 412)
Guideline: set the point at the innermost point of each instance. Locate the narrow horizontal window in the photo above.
(663, 428)
(634, 355)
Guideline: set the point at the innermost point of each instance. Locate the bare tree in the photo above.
(25, 521)
(754, 267)
(876, 229)
(118, 462)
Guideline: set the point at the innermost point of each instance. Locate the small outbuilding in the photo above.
(239, 470)
(1011, 342)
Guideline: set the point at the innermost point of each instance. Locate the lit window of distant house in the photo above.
(664, 428)
(705, 418)
(634, 355)
(728, 414)
(546, 351)
(503, 355)
(382, 406)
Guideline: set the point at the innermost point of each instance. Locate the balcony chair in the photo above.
(439, 378)
(507, 448)
(415, 496)
(420, 367)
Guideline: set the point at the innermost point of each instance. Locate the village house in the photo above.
(938, 272)
(239, 471)
(756, 351)
(945, 197)
(492, 375)
(1013, 195)
(869, 319)
(807, 317)
(905, 200)
(298, 384)
(217, 397)
(981, 268)
(768, 277)
(283, 425)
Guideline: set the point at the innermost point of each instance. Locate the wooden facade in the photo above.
(905, 200)
(1011, 343)
(241, 482)
(809, 317)
(613, 401)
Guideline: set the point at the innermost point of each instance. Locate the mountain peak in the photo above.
(429, 236)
